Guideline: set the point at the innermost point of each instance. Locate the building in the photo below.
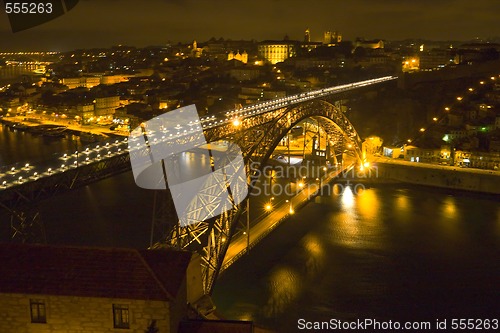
(74, 289)
(427, 155)
(245, 73)
(254, 94)
(477, 159)
(369, 44)
(243, 57)
(83, 82)
(106, 106)
(277, 51)
(330, 37)
(435, 58)
(307, 36)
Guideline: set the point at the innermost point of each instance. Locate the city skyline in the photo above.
(183, 21)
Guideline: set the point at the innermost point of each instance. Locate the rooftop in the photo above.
(92, 272)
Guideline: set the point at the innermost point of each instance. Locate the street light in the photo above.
(290, 207)
(236, 122)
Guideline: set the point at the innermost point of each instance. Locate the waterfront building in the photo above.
(70, 289)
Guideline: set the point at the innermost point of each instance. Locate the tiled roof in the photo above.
(92, 272)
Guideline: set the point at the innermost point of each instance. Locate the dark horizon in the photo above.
(101, 24)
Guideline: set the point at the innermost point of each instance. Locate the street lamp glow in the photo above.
(471, 89)
(268, 207)
(366, 164)
(481, 82)
(301, 184)
(236, 122)
(435, 119)
(459, 98)
(447, 108)
(422, 129)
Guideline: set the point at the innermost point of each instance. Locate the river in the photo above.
(391, 252)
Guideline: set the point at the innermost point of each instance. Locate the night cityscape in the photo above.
(273, 166)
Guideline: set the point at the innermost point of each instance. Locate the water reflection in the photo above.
(368, 204)
(283, 288)
(313, 256)
(449, 209)
(353, 258)
(347, 199)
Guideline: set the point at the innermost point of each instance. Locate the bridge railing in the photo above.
(22, 172)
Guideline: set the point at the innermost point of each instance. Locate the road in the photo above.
(238, 245)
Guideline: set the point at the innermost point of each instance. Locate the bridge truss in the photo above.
(257, 137)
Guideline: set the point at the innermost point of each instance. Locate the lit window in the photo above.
(121, 316)
(37, 307)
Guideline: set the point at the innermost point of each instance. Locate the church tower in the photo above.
(307, 36)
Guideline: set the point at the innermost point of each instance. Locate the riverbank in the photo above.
(71, 126)
(447, 177)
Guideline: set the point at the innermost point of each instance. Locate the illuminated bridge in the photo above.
(257, 129)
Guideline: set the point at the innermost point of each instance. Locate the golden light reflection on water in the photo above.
(368, 204)
(449, 207)
(402, 202)
(347, 199)
(450, 219)
(314, 255)
(284, 287)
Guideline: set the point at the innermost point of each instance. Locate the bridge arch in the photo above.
(257, 137)
(331, 119)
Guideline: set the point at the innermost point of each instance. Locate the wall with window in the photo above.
(43, 314)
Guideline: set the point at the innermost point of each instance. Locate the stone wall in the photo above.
(441, 176)
(69, 314)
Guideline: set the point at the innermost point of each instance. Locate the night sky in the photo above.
(102, 23)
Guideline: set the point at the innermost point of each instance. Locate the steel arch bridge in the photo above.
(256, 129)
(257, 137)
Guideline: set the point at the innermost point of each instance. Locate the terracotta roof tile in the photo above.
(92, 272)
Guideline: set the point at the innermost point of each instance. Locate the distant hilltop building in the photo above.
(243, 57)
(334, 37)
(277, 51)
(195, 50)
(307, 36)
(369, 44)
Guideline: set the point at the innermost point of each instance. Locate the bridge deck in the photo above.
(239, 245)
